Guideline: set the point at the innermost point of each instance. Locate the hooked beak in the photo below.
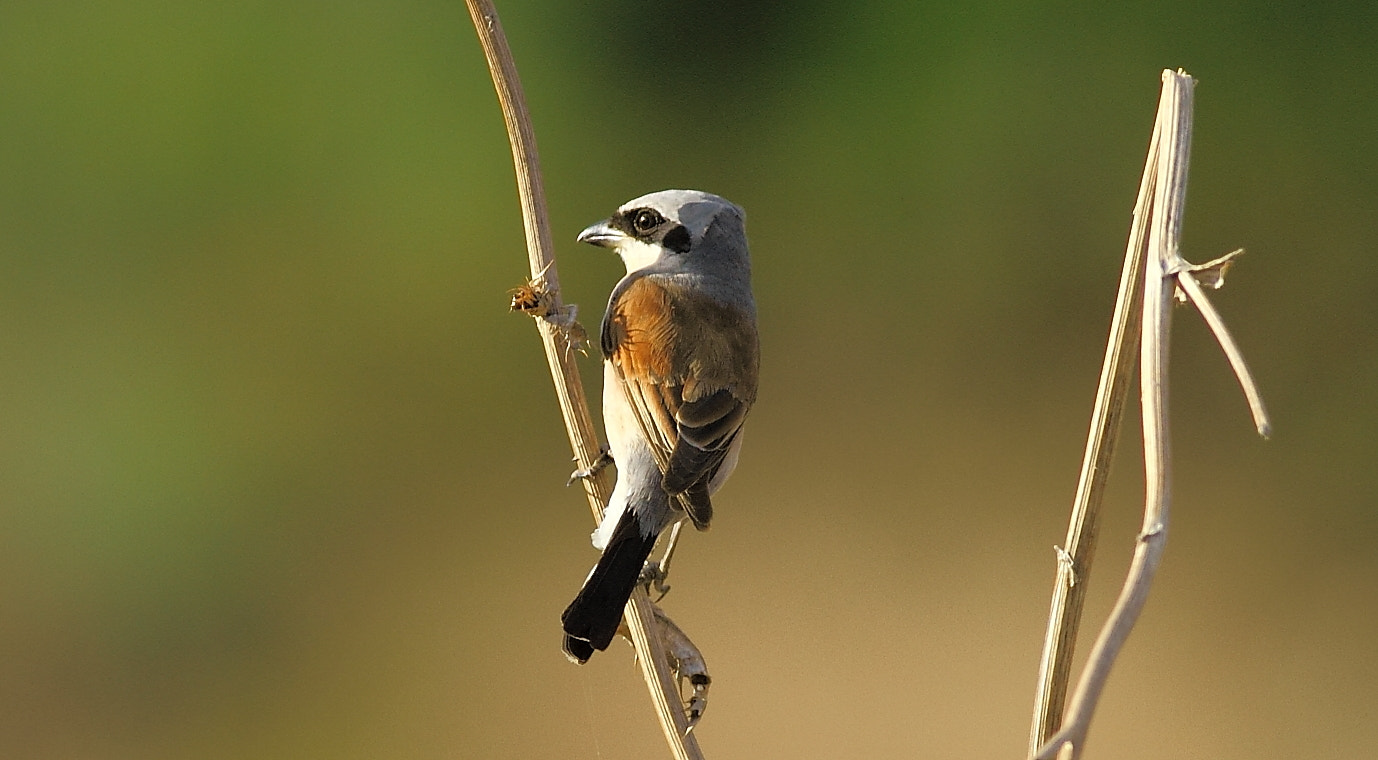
(602, 235)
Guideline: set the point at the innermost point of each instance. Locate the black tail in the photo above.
(591, 620)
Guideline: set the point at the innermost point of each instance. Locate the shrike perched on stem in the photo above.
(681, 359)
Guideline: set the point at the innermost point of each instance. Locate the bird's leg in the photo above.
(670, 550)
(584, 473)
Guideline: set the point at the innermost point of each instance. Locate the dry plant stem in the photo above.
(1074, 561)
(583, 437)
(1161, 265)
(1197, 295)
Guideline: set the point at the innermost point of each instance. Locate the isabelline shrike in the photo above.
(681, 359)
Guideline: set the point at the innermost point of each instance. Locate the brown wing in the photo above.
(639, 339)
(688, 366)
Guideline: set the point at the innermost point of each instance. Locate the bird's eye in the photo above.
(646, 220)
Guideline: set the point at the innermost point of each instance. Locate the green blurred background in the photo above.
(280, 477)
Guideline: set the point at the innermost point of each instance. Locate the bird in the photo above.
(681, 358)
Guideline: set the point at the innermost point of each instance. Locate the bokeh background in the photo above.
(280, 477)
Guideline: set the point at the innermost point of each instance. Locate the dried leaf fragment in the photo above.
(1210, 274)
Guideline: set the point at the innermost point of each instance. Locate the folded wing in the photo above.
(688, 367)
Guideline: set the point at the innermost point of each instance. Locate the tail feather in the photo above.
(591, 620)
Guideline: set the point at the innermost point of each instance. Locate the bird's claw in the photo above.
(584, 473)
(653, 576)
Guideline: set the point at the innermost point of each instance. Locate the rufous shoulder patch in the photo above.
(641, 331)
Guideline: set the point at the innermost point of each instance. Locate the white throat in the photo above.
(638, 255)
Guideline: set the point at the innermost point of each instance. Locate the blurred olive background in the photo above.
(280, 477)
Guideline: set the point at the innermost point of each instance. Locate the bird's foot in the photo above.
(653, 577)
(584, 473)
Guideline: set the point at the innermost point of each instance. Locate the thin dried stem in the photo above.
(1074, 561)
(1167, 166)
(1165, 271)
(558, 332)
(1174, 124)
(1196, 293)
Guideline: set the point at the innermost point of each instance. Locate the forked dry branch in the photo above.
(1154, 273)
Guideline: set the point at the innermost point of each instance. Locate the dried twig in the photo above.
(559, 333)
(1074, 561)
(1192, 280)
(1165, 272)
